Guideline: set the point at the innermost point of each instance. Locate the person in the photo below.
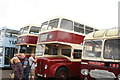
(25, 64)
(32, 61)
(108, 52)
(17, 68)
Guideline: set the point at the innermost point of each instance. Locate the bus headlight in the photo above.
(85, 72)
(118, 76)
(46, 66)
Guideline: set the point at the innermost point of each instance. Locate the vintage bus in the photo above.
(101, 55)
(59, 48)
(8, 46)
(27, 39)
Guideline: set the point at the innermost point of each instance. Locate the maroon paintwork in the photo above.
(62, 36)
(27, 40)
(54, 63)
(113, 67)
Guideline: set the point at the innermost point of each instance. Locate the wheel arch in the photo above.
(55, 68)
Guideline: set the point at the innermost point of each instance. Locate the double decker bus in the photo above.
(59, 48)
(27, 39)
(8, 46)
(101, 55)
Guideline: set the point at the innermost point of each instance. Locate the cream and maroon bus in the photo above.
(27, 39)
(59, 48)
(101, 55)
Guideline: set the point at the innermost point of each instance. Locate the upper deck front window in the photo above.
(112, 49)
(78, 27)
(44, 26)
(66, 24)
(24, 30)
(88, 29)
(92, 49)
(53, 23)
(34, 30)
(11, 33)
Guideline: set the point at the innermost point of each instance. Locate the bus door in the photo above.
(9, 53)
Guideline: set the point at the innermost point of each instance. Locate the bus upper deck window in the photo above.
(88, 29)
(112, 49)
(78, 27)
(92, 49)
(66, 24)
(44, 26)
(8, 34)
(34, 30)
(53, 23)
(24, 30)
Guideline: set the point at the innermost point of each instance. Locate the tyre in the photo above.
(62, 74)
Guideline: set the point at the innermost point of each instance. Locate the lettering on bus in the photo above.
(12, 42)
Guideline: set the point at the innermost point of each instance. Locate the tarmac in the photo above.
(4, 74)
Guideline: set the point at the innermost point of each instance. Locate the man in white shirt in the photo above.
(32, 64)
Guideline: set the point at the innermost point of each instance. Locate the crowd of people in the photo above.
(22, 67)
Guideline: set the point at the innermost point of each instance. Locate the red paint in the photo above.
(97, 63)
(112, 67)
(63, 36)
(54, 63)
(27, 40)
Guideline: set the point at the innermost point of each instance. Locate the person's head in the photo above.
(21, 56)
(33, 55)
(15, 60)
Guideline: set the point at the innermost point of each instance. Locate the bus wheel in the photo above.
(62, 74)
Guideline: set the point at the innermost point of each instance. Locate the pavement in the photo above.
(4, 74)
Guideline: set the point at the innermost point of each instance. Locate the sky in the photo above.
(101, 14)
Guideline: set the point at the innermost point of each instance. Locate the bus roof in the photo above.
(30, 25)
(103, 34)
(9, 30)
(69, 18)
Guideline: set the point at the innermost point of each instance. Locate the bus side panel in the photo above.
(73, 71)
